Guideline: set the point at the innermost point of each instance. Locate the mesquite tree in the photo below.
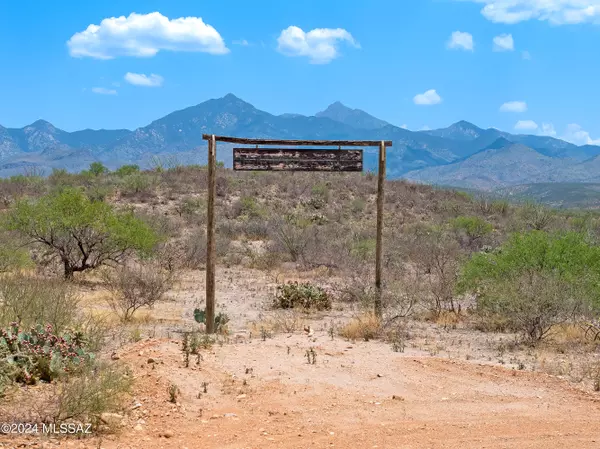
(83, 234)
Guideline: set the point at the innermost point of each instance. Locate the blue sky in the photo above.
(409, 62)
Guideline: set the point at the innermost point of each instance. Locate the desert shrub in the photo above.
(13, 254)
(488, 206)
(305, 296)
(535, 281)
(125, 170)
(536, 216)
(363, 248)
(132, 287)
(97, 169)
(99, 192)
(289, 238)
(248, 207)
(474, 229)
(38, 353)
(221, 319)
(29, 300)
(191, 207)
(98, 389)
(136, 183)
(362, 327)
(320, 190)
(256, 229)
(437, 256)
(60, 177)
(164, 226)
(532, 303)
(194, 248)
(357, 206)
(81, 233)
(501, 207)
(402, 297)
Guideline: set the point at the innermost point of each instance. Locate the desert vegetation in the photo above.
(87, 256)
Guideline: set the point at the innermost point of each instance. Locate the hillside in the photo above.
(559, 195)
(498, 166)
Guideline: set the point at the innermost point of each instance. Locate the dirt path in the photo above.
(264, 394)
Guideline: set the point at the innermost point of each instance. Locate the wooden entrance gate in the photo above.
(253, 159)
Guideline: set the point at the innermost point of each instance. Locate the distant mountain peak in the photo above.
(338, 105)
(461, 130)
(464, 124)
(356, 118)
(40, 124)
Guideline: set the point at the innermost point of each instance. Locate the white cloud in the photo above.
(321, 45)
(526, 125)
(460, 40)
(577, 135)
(139, 79)
(548, 130)
(428, 98)
(242, 42)
(514, 106)
(526, 55)
(104, 91)
(144, 35)
(557, 12)
(504, 42)
(405, 126)
(425, 128)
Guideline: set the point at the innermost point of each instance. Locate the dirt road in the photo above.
(265, 394)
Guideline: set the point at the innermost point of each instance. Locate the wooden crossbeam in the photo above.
(279, 159)
(295, 143)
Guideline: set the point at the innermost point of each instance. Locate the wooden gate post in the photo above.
(210, 236)
(378, 250)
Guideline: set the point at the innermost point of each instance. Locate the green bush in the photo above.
(97, 169)
(81, 233)
(250, 208)
(535, 281)
(306, 296)
(60, 177)
(126, 170)
(13, 256)
(474, 228)
(136, 182)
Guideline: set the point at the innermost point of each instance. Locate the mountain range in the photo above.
(461, 155)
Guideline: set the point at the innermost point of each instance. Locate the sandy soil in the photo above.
(263, 393)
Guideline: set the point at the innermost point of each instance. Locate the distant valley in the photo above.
(461, 155)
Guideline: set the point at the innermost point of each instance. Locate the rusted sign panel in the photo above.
(254, 159)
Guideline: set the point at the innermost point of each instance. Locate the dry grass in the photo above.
(362, 327)
(448, 319)
(280, 321)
